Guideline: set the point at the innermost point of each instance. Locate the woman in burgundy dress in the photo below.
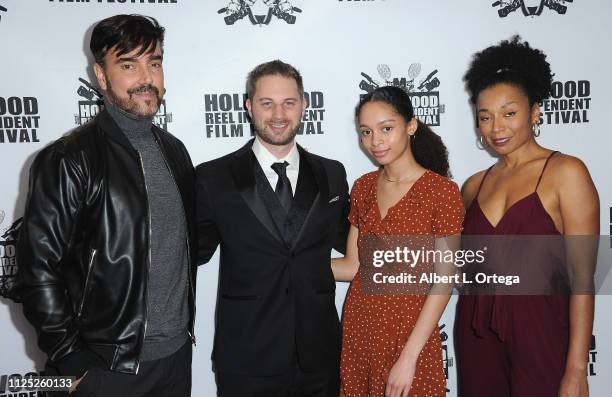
(525, 345)
(390, 340)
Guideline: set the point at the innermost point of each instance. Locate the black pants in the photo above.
(167, 377)
(294, 383)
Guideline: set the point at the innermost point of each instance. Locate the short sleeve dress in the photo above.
(376, 327)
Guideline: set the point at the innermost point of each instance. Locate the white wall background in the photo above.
(43, 53)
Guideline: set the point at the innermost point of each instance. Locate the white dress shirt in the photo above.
(266, 159)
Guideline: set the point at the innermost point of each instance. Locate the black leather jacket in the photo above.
(83, 250)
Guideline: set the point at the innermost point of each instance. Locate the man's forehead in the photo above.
(277, 86)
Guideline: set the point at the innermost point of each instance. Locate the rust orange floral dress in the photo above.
(376, 327)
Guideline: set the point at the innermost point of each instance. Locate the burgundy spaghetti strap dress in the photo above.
(511, 345)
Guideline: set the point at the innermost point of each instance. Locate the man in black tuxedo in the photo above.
(277, 211)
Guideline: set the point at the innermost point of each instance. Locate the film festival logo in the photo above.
(259, 12)
(2, 9)
(569, 103)
(530, 8)
(92, 102)
(592, 356)
(423, 91)
(19, 120)
(225, 115)
(447, 361)
(8, 261)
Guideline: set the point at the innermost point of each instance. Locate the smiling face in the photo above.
(505, 118)
(385, 134)
(132, 82)
(276, 109)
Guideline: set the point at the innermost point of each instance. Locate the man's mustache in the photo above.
(144, 88)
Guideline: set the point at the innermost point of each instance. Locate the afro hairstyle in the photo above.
(513, 62)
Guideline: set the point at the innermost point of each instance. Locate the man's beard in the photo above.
(275, 140)
(132, 107)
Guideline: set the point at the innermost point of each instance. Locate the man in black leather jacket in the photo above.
(107, 245)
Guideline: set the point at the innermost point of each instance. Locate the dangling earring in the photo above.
(535, 128)
(480, 144)
(412, 136)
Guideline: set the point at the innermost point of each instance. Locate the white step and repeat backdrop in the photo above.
(343, 49)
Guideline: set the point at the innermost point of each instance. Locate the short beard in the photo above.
(270, 140)
(127, 105)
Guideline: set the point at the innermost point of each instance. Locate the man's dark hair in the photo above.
(512, 62)
(123, 34)
(272, 68)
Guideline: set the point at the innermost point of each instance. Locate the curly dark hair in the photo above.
(514, 62)
(427, 146)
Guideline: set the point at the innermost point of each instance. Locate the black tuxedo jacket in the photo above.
(276, 293)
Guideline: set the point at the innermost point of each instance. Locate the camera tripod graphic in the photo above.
(368, 84)
(508, 6)
(239, 9)
(2, 9)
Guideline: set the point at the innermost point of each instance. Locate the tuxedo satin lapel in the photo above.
(319, 203)
(243, 172)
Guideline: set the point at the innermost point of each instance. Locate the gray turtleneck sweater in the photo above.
(167, 288)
